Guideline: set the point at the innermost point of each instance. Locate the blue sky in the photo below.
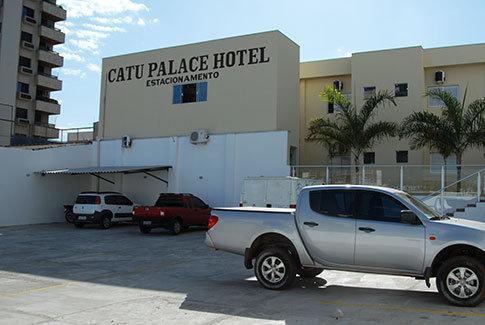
(323, 29)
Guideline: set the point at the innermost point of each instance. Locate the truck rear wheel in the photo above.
(176, 227)
(461, 281)
(309, 272)
(275, 268)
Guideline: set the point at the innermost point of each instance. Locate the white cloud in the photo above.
(94, 67)
(73, 72)
(113, 20)
(345, 53)
(86, 45)
(87, 8)
(140, 22)
(108, 29)
(70, 56)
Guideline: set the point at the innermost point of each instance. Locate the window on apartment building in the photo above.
(369, 158)
(369, 92)
(24, 36)
(401, 90)
(22, 87)
(401, 156)
(190, 93)
(29, 12)
(435, 102)
(25, 62)
(21, 113)
(38, 117)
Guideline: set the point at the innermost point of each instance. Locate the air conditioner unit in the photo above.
(338, 85)
(26, 70)
(22, 120)
(28, 45)
(24, 96)
(439, 76)
(126, 141)
(30, 20)
(199, 136)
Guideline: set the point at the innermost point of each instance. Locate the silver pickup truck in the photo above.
(356, 228)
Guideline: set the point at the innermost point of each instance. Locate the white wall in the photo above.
(213, 171)
(28, 198)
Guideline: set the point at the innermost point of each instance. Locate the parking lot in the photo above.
(58, 274)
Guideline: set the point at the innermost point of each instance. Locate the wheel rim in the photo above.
(176, 227)
(462, 282)
(273, 269)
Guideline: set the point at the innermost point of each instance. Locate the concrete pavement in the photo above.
(56, 274)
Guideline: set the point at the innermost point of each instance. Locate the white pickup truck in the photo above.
(356, 228)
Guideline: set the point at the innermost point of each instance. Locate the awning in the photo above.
(95, 171)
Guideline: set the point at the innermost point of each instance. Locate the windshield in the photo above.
(430, 213)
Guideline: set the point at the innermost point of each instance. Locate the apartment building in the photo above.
(408, 73)
(27, 63)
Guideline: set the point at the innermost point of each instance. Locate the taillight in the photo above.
(212, 221)
(97, 200)
(162, 213)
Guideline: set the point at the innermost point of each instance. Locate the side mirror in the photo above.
(409, 217)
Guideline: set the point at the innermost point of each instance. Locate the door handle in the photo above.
(310, 223)
(366, 229)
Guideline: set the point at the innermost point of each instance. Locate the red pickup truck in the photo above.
(172, 211)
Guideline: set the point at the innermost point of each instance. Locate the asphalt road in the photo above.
(56, 274)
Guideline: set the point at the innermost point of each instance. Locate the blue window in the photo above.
(190, 93)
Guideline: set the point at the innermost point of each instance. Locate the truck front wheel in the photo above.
(275, 268)
(461, 281)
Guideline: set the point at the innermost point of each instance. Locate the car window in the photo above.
(86, 199)
(111, 200)
(197, 203)
(123, 200)
(170, 201)
(338, 203)
(380, 207)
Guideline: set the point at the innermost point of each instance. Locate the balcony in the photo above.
(53, 11)
(48, 81)
(50, 58)
(47, 105)
(52, 34)
(48, 131)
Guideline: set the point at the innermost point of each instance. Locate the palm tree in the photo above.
(352, 131)
(453, 132)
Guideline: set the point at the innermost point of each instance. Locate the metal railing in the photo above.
(442, 191)
(436, 185)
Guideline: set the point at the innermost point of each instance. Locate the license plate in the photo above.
(147, 223)
(81, 218)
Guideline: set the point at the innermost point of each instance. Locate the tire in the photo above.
(309, 272)
(105, 222)
(78, 225)
(176, 227)
(275, 268)
(69, 216)
(144, 229)
(460, 272)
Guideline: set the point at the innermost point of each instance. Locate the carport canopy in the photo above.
(96, 171)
